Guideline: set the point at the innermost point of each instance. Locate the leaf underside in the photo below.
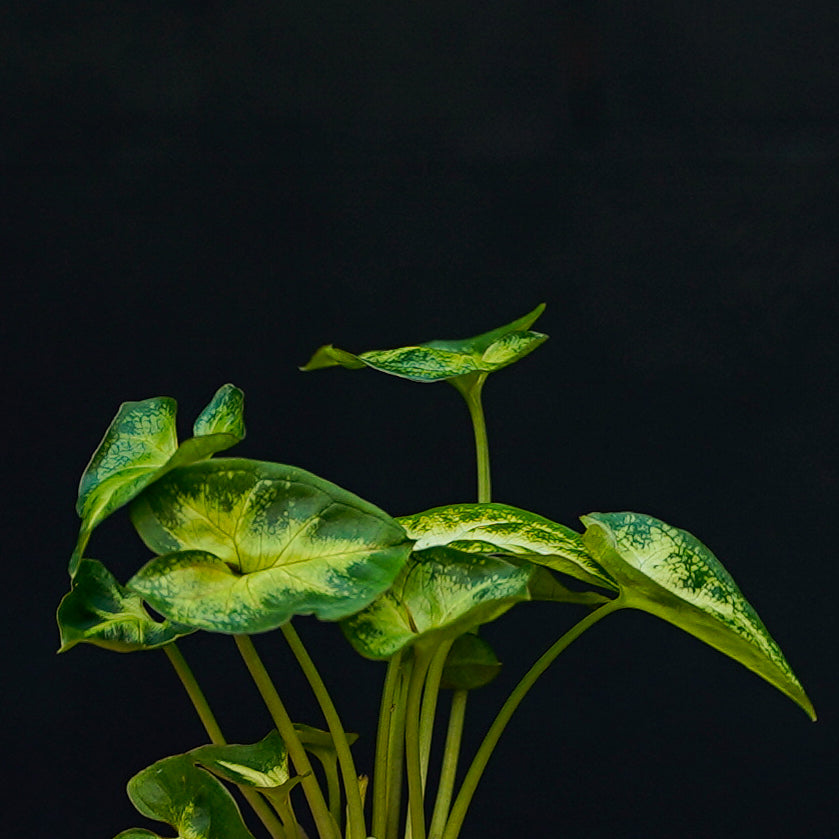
(98, 610)
(471, 663)
(441, 593)
(246, 544)
(443, 359)
(670, 573)
(141, 445)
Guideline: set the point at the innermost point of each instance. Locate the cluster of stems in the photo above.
(407, 716)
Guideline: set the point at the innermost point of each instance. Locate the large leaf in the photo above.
(141, 445)
(444, 359)
(246, 545)
(501, 529)
(190, 800)
(98, 610)
(670, 573)
(440, 594)
(263, 765)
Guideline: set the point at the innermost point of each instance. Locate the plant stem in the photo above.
(211, 726)
(381, 774)
(355, 807)
(327, 829)
(429, 703)
(470, 387)
(479, 762)
(448, 771)
(396, 750)
(413, 759)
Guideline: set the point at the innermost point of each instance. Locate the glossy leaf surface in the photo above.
(247, 544)
(263, 764)
(98, 610)
(471, 663)
(501, 529)
(141, 445)
(443, 359)
(190, 800)
(440, 594)
(670, 573)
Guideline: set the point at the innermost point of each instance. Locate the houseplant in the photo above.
(243, 546)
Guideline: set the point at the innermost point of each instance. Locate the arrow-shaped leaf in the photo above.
(247, 544)
(190, 800)
(263, 765)
(501, 529)
(443, 359)
(441, 593)
(670, 573)
(141, 445)
(98, 610)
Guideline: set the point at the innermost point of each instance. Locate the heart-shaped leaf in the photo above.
(141, 445)
(247, 544)
(471, 663)
(263, 764)
(444, 359)
(501, 529)
(441, 593)
(190, 800)
(98, 610)
(670, 573)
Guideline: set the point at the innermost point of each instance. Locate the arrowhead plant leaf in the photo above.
(98, 610)
(263, 765)
(670, 573)
(471, 663)
(245, 545)
(141, 445)
(441, 593)
(189, 799)
(443, 359)
(501, 529)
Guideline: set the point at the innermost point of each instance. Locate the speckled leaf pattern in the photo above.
(141, 445)
(263, 764)
(443, 359)
(441, 593)
(471, 663)
(670, 573)
(98, 610)
(501, 529)
(246, 544)
(190, 800)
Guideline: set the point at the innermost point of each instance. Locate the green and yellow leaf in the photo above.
(441, 593)
(98, 610)
(245, 545)
(670, 573)
(443, 359)
(141, 445)
(263, 765)
(501, 529)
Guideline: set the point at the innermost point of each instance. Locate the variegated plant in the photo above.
(243, 546)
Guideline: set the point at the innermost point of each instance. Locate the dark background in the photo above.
(205, 192)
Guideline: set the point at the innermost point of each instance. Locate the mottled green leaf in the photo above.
(471, 663)
(263, 764)
(440, 594)
(98, 610)
(501, 529)
(141, 445)
(670, 573)
(188, 799)
(246, 545)
(443, 359)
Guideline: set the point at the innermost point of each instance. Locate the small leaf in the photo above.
(501, 529)
(98, 610)
(670, 573)
(247, 544)
(443, 359)
(190, 800)
(141, 445)
(263, 764)
(470, 664)
(440, 594)
(543, 586)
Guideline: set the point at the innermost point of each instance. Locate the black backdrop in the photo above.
(201, 193)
